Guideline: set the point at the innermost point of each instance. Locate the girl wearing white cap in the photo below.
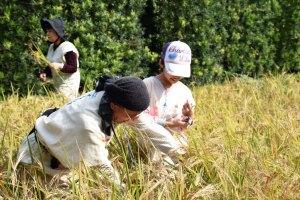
(171, 102)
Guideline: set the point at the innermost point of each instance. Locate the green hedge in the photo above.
(228, 38)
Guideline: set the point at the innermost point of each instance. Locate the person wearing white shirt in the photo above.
(63, 59)
(171, 102)
(79, 132)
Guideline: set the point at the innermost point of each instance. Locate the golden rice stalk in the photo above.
(40, 58)
(38, 55)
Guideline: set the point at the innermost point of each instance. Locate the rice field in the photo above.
(244, 144)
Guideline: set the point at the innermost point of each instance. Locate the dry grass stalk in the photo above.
(38, 55)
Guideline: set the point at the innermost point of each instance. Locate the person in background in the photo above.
(171, 102)
(79, 131)
(63, 57)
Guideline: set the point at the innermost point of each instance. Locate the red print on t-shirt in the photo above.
(153, 111)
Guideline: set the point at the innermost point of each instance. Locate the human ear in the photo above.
(113, 106)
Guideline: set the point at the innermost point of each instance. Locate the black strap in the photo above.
(49, 111)
(45, 113)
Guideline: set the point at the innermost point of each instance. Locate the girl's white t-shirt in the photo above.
(167, 103)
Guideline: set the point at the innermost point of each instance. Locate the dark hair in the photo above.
(46, 26)
(164, 49)
(162, 56)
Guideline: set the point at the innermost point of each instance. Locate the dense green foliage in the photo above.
(227, 38)
(232, 37)
(107, 35)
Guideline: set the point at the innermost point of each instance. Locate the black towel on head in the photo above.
(129, 92)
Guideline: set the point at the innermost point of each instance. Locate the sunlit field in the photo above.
(245, 144)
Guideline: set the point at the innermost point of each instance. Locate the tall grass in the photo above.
(245, 144)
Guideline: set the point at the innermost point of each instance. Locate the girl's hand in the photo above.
(179, 123)
(187, 110)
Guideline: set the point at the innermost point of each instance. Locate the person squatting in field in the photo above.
(63, 57)
(80, 131)
(171, 102)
